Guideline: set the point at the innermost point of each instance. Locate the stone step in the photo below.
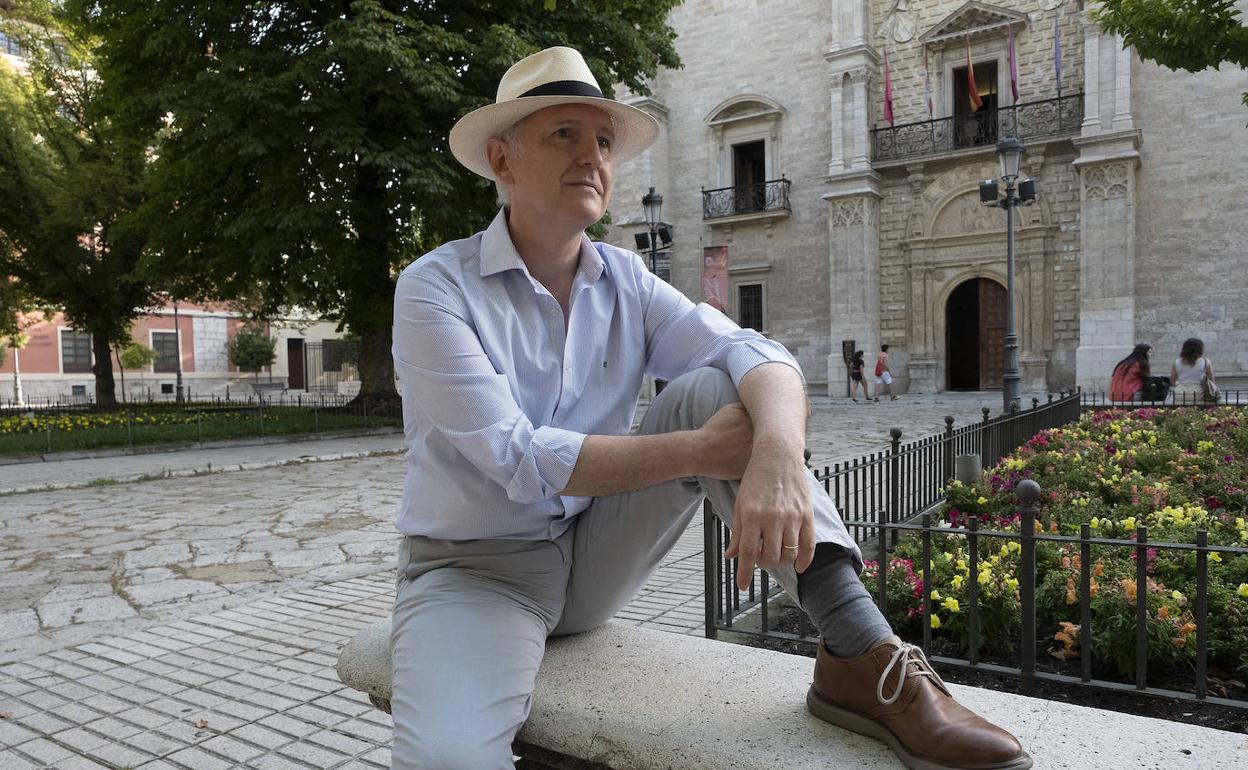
(625, 697)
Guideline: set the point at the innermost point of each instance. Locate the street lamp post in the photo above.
(1010, 150)
(652, 204)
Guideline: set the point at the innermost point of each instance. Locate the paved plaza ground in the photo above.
(191, 619)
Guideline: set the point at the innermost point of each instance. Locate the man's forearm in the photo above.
(775, 397)
(608, 465)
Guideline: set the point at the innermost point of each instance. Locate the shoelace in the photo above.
(922, 668)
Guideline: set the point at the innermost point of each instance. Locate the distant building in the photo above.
(841, 226)
(57, 363)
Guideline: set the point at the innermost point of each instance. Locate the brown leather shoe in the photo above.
(892, 694)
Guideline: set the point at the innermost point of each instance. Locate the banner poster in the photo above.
(715, 277)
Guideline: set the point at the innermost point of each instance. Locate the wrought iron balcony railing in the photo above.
(1029, 120)
(746, 199)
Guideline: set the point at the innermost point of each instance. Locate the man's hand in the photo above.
(773, 511)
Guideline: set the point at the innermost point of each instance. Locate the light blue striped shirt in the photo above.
(497, 397)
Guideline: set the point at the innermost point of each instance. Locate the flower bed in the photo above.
(38, 432)
(1173, 471)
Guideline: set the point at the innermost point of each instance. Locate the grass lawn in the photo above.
(68, 431)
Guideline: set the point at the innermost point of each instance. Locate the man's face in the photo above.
(562, 172)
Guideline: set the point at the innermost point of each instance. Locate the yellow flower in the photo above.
(1014, 545)
(1012, 583)
(957, 582)
(1243, 590)
(1128, 523)
(1095, 523)
(951, 604)
(985, 577)
(948, 556)
(935, 595)
(982, 500)
(1215, 556)
(935, 621)
(962, 564)
(1177, 596)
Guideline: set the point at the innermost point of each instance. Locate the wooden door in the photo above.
(991, 334)
(294, 364)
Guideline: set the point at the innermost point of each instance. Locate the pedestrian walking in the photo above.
(856, 367)
(883, 377)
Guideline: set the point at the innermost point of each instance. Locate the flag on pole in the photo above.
(976, 102)
(927, 85)
(1057, 54)
(888, 92)
(1013, 68)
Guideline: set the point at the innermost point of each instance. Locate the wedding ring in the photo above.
(790, 547)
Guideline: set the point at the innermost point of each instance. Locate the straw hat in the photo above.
(547, 78)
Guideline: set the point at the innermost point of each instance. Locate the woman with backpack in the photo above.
(1191, 375)
(856, 365)
(1127, 381)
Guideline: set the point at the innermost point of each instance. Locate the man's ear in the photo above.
(496, 155)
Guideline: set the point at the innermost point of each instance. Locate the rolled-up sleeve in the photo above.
(442, 366)
(682, 336)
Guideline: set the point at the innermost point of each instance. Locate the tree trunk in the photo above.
(377, 365)
(105, 388)
(121, 370)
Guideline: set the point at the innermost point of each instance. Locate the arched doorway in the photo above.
(975, 335)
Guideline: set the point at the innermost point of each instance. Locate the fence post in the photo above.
(1085, 602)
(986, 441)
(710, 526)
(1028, 493)
(1202, 612)
(948, 474)
(1141, 608)
(972, 551)
(894, 482)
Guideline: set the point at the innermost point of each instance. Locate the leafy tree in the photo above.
(301, 147)
(134, 355)
(1190, 35)
(251, 350)
(71, 180)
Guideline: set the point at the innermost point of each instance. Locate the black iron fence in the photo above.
(331, 364)
(746, 199)
(1165, 399)
(889, 494)
(1026, 121)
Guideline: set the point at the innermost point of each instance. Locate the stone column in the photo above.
(1106, 270)
(854, 277)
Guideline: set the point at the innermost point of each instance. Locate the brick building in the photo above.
(840, 225)
(56, 364)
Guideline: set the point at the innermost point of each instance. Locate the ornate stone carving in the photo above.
(899, 24)
(1106, 181)
(965, 214)
(848, 213)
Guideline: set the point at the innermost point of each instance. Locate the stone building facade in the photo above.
(841, 226)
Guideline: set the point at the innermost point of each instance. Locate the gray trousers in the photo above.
(471, 618)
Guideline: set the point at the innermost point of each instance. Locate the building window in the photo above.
(78, 391)
(750, 306)
(10, 46)
(75, 352)
(166, 346)
(973, 127)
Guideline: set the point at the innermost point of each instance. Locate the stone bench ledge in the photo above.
(633, 699)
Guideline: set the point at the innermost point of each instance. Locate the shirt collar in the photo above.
(499, 254)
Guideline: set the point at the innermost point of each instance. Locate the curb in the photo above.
(184, 472)
(95, 454)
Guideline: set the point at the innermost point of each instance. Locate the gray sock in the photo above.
(839, 604)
